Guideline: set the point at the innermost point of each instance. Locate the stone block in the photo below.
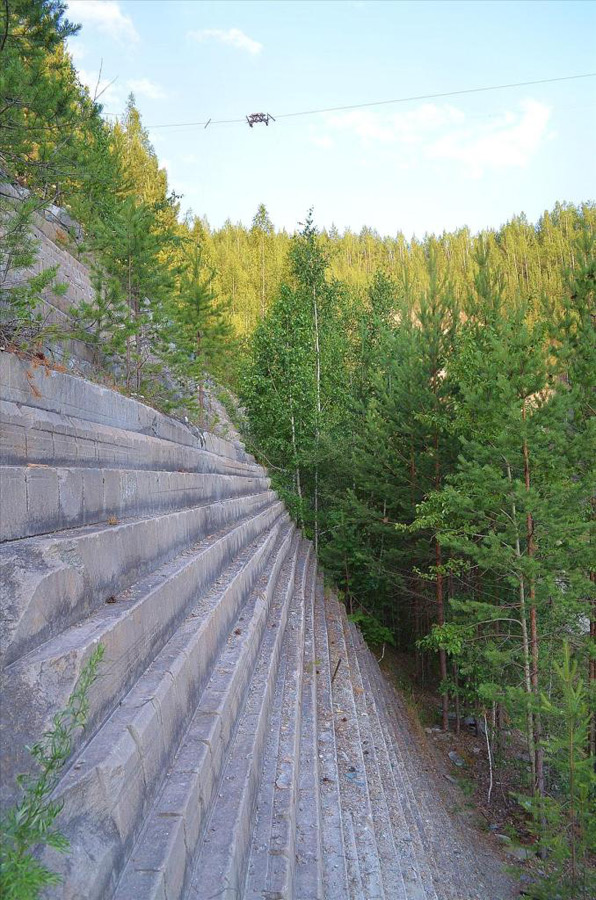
(162, 832)
(154, 736)
(67, 578)
(112, 500)
(13, 503)
(70, 491)
(94, 505)
(44, 388)
(13, 438)
(143, 885)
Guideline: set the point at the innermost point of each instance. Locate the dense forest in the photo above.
(425, 407)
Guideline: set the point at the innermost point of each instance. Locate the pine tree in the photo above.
(296, 373)
(262, 228)
(278, 391)
(199, 332)
(130, 247)
(38, 106)
(574, 339)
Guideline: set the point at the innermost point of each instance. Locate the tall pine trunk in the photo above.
(201, 385)
(296, 464)
(417, 622)
(525, 640)
(262, 276)
(592, 672)
(531, 548)
(441, 621)
(440, 600)
(318, 413)
(128, 336)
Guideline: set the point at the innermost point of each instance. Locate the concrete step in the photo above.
(221, 866)
(51, 583)
(406, 807)
(463, 868)
(309, 848)
(257, 863)
(336, 884)
(440, 846)
(132, 630)
(29, 435)
(272, 860)
(416, 881)
(110, 788)
(353, 784)
(38, 386)
(161, 862)
(387, 847)
(44, 499)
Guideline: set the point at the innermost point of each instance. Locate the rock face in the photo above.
(57, 237)
(222, 758)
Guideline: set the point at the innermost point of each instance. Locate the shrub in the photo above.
(29, 824)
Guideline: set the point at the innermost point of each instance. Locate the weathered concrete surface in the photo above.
(43, 499)
(33, 436)
(41, 387)
(221, 756)
(132, 630)
(213, 725)
(50, 583)
(176, 679)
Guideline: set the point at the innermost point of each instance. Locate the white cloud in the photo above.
(143, 87)
(112, 94)
(323, 141)
(443, 132)
(398, 127)
(106, 15)
(76, 50)
(510, 142)
(233, 36)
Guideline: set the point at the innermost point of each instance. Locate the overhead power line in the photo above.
(330, 109)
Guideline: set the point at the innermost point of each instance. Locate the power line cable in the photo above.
(329, 109)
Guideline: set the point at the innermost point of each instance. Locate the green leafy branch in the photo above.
(29, 824)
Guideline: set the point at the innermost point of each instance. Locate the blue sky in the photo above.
(420, 166)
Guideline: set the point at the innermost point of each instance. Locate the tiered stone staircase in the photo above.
(241, 741)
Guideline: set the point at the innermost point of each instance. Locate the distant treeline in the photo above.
(251, 262)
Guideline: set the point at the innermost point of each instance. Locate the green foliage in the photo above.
(21, 321)
(373, 631)
(199, 327)
(48, 142)
(37, 91)
(526, 261)
(297, 370)
(451, 461)
(449, 637)
(29, 825)
(564, 820)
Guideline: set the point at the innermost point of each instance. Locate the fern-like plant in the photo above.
(29, 824)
